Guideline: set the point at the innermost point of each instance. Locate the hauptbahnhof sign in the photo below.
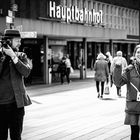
(73, 14)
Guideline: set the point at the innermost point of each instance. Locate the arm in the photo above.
(107, 72)
(95, 66)
(23, 66)
(112, 65)
(2, 58)
(20, 61)
(124, 78)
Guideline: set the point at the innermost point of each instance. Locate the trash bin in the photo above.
(82, 72)
(50, 75)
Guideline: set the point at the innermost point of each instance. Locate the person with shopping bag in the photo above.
(101, 73)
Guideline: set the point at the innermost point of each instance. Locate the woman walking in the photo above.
(101, 73)
(131, 77)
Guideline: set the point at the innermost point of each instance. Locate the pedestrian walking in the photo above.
(101, 73)
(68, 67)
(131, 77)
(13, 97)
(117, 67)
(62, 69)
(109, 60)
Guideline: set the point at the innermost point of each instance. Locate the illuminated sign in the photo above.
(73, 14)
(28, 34)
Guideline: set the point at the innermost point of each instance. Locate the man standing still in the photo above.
(14, 67)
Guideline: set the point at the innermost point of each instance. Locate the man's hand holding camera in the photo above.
(9, 52)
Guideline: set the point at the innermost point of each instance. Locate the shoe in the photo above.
(98, 95)
(101, 96)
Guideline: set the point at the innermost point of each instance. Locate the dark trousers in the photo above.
(62, 77)
(134, 132)
(11, 118)
(102, 87)
(118, 91)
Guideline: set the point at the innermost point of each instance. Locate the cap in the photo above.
(11, 33)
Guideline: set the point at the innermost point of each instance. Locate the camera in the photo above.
(5, 43)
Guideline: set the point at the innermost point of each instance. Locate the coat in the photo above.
(131, 75)
(17, 72)
(101, 70)
(62, 67)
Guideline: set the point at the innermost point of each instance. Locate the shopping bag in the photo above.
(71, 70)
(106, 89)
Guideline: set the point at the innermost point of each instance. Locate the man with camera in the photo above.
(14, 67)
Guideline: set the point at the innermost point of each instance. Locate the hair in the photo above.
(119, 53)
(137, 47)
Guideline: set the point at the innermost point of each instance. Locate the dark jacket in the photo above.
(130, 75)
(17, 72)
(116, 73)
(62, 67)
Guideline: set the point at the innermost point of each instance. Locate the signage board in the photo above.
(74, 14)
(28, 34)
(57, 42)
(9, 19)
(10, 13)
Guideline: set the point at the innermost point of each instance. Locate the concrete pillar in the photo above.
(46, 69)
(111, 46)
(85, 55)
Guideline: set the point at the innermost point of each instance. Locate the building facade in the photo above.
(81, 28)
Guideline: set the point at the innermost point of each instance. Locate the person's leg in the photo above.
(97, 87)
(111, 80)
(118, 91)
(67, 75)
(134, 132)
(16, 123)
(102, 89)
(3, 122)
(62, 78)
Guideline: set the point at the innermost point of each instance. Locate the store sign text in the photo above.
(73, 14)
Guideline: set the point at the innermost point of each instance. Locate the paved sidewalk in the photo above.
(42, 89)
(73, 112)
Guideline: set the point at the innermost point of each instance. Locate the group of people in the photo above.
(15, 65)
(64, 69)
(107, 70)
(123, 74)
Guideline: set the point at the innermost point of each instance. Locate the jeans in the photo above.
(11, 118)
(102, 87)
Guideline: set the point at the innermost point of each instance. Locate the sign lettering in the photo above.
(73, 14)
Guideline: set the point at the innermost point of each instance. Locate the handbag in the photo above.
(106, 89)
